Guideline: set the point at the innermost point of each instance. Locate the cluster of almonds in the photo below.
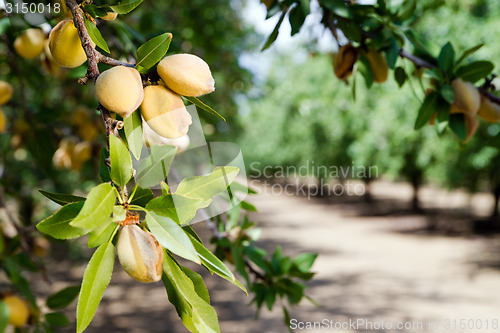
(347, 56)
(120, 90)
(469, 102)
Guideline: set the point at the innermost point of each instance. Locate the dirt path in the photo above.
(367, 270)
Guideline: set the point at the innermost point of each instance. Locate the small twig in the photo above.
(419, 62)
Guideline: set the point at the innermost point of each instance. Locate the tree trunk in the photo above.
(415, 203)
(496, 195)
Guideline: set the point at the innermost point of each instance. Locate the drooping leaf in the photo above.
(296, 18)
(62, 199)
(126, 6)
(96, 36)
(272, 37)
(153, 169)
(214, 264)
(205, 187)
(458, 126)
(151, 52)
(95, 280)
(63, 298)
(171, 236)
(97, 208)
(196, 314)
(205, 107)
(133, 132)
(121, 162)
(179, 208)
(426, 109)
(58, 225)
(366, 70)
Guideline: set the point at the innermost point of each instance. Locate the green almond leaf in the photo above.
(95, 280)
(400, 76)
(121, 162)
(133, 132)
(104, 172)
(338, 7)
(142, 197)
(199, 285)
(153, 169)
(63, 298)
(4, 316)
(126, 6)
(447, 93)
(304, 261)
(446, 58)
(366, 70)
(214, 264)
(426, 109)
(96, 36)
(101, 235)
(235, 186)
(475, 71)
(196, 314)
(171, 236)
(392, 53)
(57, 319)
(296, 18)
(179, 208)
(248, 206)
(272, 37)
(97, 208)
(468, 52)
(458, 126)
(62, 199)
(151, 52)
(205, 107)
(58, 225)
(95, 11)
(205, 187)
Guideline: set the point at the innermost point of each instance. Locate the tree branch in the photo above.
(416, 60)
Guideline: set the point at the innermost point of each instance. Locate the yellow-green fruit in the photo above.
(5, 92)
(110, 16)
(49, 63)
(489, 111)
(88, 131)
(378, 63)
(467, 96)
(3, 121)
(119, 89)
(344, 61)
(18, 311)
(165, 112)
(140, 254)
(151, 138)
(65, 45)
(186, 74)
(80, 154)
(30, 43)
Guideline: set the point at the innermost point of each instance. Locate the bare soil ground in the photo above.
(376, 263)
